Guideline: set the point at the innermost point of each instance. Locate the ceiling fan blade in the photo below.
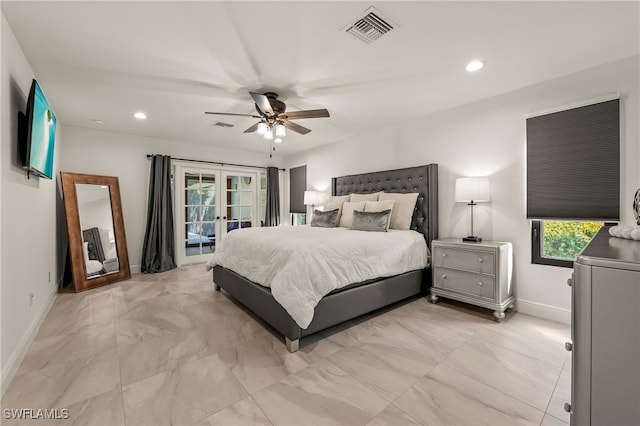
(296, 127)
(232, 113)
(312, 113)
(252, 128)
(263, 103)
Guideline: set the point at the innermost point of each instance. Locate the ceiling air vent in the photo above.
(370, 26)
(221, 124)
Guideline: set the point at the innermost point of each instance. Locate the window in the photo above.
(298, 219)
(558, 243)
(297, 186)
(573, 178)
(262, 207)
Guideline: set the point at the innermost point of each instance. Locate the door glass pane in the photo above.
(192, 193)
(245, 182)
(208, 213)
(200, 207)
(246, 198)
(192, 214)
(245, 213)
(240, 199)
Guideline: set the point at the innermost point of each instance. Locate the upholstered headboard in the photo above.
(421, 179)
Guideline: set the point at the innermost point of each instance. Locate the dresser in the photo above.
(605, 333)
(476, 273)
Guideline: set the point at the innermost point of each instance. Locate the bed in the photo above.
(359, 297)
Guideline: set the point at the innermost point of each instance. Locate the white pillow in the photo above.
(346, 220)
(94, 266)
(339, 198)
(402, 209)
(85, 250)
(332, 205)
(380, 206)
(365, 197)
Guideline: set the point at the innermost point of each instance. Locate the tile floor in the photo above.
(166, 349)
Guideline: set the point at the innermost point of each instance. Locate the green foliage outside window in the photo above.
(565, 240)
(299, 219)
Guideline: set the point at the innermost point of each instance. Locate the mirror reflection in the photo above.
(96, 225)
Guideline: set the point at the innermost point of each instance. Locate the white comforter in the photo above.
(301, 264)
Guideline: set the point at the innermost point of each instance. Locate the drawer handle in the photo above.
(444, 276)
(480, 283)
(480, 260)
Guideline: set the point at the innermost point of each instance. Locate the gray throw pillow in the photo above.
(328, 219)
(371, 221)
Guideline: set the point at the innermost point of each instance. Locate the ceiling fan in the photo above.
(274, 118)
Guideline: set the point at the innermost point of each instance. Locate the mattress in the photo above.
(301, 264)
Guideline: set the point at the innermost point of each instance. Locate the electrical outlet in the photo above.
(31, 297)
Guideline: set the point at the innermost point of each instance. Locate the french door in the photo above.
(209, 204)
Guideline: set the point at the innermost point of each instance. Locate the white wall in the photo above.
(28, 253)
(487, 138)
(124, 156)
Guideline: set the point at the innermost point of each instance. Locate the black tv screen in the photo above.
(38, 134)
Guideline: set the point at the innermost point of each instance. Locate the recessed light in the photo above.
(474, 66)
(140, 115)
(97, 121)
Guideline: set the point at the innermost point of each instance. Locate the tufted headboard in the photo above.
(421, 179)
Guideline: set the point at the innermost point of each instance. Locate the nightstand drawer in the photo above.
(476, 285)
(482, 262)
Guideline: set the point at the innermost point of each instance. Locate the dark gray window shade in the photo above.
(573, 163)
(297, 186)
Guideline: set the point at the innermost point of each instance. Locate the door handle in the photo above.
(224, 218)
(217, 217)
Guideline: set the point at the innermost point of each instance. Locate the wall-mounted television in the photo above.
(37, 134)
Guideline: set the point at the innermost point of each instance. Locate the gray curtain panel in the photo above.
(158, 245)
(272, 214)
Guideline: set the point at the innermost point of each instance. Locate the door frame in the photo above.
(180, 168)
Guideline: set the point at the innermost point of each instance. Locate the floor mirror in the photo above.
(95, 226)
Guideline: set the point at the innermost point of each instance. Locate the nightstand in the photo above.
(476, 273)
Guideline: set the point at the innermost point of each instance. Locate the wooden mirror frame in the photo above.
(74, 231)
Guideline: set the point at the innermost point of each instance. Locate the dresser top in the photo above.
(607, 251)
(464, 244)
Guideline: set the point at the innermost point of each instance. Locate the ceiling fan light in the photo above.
(280, 131)
(277, 140)
(262, 128)
(268, 135)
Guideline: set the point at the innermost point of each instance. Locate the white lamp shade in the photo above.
(312, 198)
(474, 189)
(280, 131)
(262, 128)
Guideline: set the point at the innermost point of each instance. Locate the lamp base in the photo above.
(472, 239)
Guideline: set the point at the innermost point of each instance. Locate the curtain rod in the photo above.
(212, 162)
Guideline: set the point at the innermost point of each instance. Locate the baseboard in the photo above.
(136, 269)
(541, 310)
(16, 357)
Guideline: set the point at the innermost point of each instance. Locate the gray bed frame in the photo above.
(360, 298)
